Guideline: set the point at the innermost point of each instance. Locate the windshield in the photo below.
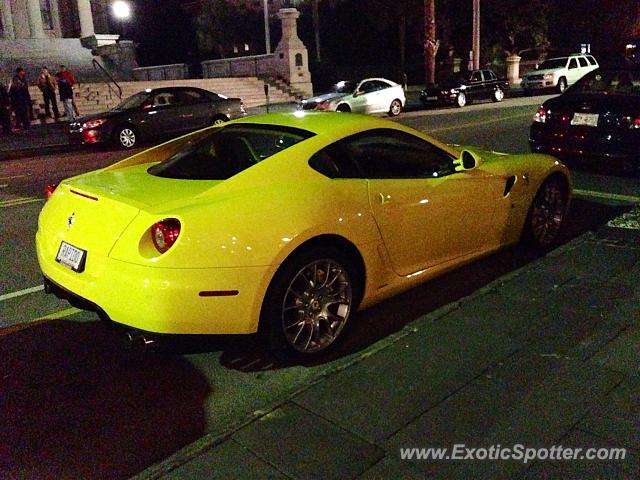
(344, 87)
(613, 82)
(133, 101)
(553, 63)
(454, 80)
(228, 151)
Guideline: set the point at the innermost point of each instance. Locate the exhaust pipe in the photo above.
(139, 342)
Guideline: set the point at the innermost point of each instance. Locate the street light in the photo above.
(122, 11)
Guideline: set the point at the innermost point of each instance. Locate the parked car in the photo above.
(371, 95)
(286, 224)
(558, 73)
(598, 118)
(153, 113)
(461, 89)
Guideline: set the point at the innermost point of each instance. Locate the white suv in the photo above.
(558, 73)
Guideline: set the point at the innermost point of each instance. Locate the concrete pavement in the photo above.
(547, 355)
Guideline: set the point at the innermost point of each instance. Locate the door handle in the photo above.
(384, 198)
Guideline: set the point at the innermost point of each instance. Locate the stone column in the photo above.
(86, 18)
(513, 69)
(292, 57)
(7, 19)
(35, 19)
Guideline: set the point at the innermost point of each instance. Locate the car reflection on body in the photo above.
(595, 120)
(372, 95)
(154, 113)
(286, 224)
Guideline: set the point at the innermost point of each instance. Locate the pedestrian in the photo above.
(47, 85)
(20, 98)
(5, 109)
(66, 96)
(72, 81)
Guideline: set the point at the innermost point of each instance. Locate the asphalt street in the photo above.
(80, 406)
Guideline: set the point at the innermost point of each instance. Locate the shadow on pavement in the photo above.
(74, 404)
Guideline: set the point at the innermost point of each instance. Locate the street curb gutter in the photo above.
(210, 441)
(33, 151)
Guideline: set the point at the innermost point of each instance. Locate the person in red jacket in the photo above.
(68, 76)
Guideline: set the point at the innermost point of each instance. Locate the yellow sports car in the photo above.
(286, 224)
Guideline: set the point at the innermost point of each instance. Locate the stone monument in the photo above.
(291, 54)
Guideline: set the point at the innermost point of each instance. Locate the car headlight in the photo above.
(548, 76)
(94, 123)
(541, 115)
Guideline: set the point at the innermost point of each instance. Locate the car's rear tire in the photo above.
(562, 85)
(395, 108)
(125, 137)
(498, 95)
(547, 213)
(309, 302)
(461, 100)
(219, 120)
(343, 108)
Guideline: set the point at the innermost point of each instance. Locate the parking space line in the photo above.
(61, 314)
(19, 201)
(606, 196)
(480, 122)
(20, 293)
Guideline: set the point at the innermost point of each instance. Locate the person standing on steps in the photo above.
(72, 81)
(21, 99)
(66, 96)
(47, 85)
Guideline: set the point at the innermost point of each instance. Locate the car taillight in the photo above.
(49, 189)
(541, 115)
(165, 233)
(324, 105)
(634, 123)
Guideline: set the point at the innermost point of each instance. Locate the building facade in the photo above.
(41, 19)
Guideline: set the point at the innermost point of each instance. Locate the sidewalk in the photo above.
(547, 355)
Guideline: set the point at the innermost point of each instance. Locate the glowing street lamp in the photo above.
(122, 11)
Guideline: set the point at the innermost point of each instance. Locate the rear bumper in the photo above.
(160, 300)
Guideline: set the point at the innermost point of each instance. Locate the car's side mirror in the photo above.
(468, 160)
(357, 93)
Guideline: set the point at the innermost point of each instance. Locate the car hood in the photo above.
(541, 72)
(96, 116)
(326, 96)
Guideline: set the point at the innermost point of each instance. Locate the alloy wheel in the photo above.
(547, 213)
(127, 137)
(316, 305)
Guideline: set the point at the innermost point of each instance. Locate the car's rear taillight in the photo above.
(49, 189)
(634, 123)
(541, 115)
(165, 233)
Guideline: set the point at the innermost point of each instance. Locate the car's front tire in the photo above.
(219, 120)
(547, 213)
(125, 137)
(498, 95)
(562, 85)
(395, 108)
(461, 100)
(343, 108)
(309, 302)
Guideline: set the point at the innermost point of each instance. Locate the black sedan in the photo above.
(153, 113)
(461, 89)
(595, 120)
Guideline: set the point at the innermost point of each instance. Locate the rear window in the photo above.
(228, 151)
(612, 82)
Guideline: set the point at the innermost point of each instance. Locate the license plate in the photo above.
(432, 98)
(72, 257)
(588, 119)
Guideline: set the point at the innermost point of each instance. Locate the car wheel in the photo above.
(219, 120)
(125, 137)
(343, 108)
(395, 108)
(562, 85)
(498, 95)
(309, 302)
(461, 100)
(547, 213)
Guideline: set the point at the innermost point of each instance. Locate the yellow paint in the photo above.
(236, 233)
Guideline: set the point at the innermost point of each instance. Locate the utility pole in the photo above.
(316, 28)
(430, 43)
(267, 34)
(476, 35)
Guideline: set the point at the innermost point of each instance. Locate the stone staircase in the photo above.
(94, 98)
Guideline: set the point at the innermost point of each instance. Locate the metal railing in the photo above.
(109, 79)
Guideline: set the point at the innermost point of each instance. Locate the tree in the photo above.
(431, 44)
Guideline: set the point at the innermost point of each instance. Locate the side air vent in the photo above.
(509, 185)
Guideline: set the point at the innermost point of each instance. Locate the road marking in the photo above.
(480, 122)
(607, 196)
(13, 176)
(19, 201)
(61, 314)
(20, 293)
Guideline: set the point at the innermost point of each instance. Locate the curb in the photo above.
(209, 441)
(33, 151)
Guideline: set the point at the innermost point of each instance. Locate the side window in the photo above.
(573, 64)
(189, 97)
(380, 85)
(592, 61)
(387, 153)
(583, 62)
(367, 87)
(334, 162)
(476, 76)
(489, 75)
(163, 99)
